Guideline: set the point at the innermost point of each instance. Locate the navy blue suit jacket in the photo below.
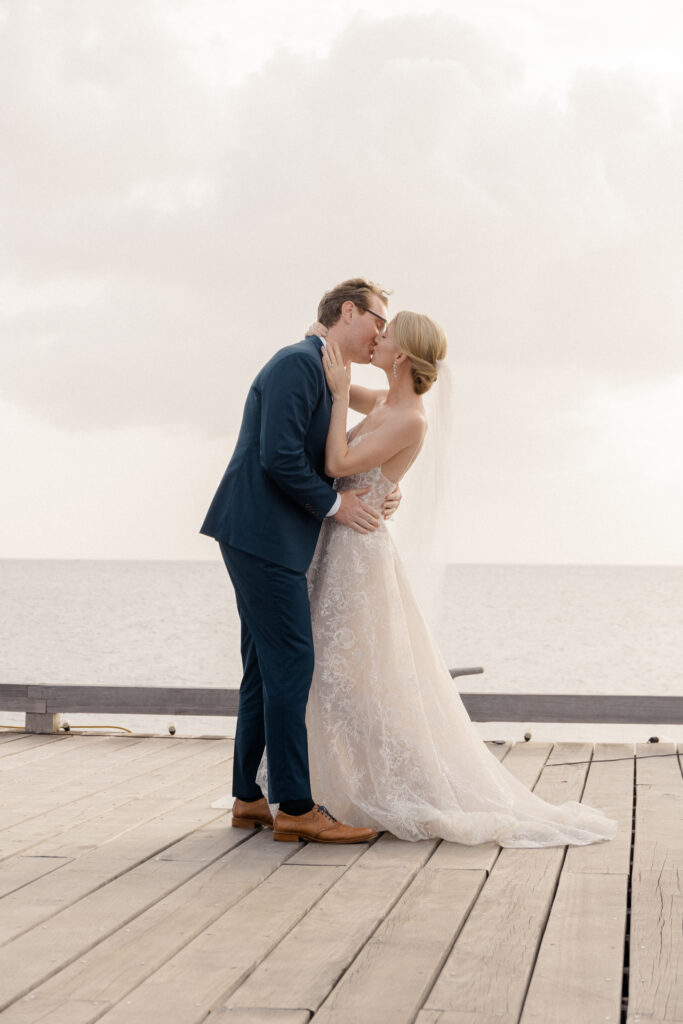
(274, 494)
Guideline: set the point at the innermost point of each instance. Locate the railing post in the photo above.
(39, 722)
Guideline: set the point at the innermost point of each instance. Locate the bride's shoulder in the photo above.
(411, 422)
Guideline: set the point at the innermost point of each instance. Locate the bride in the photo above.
(390, 742)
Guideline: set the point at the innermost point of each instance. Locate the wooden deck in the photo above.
(125, 898)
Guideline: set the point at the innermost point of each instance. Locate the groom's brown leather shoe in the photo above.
(251, 814)
(318, 826)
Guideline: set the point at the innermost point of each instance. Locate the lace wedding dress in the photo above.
(390, 742)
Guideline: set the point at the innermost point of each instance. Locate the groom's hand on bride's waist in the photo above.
(391, 502)
(354, 512)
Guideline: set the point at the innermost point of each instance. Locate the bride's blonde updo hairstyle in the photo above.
(424, 342)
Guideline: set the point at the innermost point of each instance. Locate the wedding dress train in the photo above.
(390, 742)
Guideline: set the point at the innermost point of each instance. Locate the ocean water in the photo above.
(545, 629)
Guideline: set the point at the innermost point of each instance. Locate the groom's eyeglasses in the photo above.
(382, 321)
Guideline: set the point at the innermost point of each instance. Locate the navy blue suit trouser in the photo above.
(277, 663)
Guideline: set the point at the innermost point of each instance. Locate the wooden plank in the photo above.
(151, 701)
(578, 973)
(396, 969)
(49, 785)
(526, 761)
(145, 700)
(482, 707)
(20, 871)
(656, 946)
(486, 975)
(70, 1013)
(579, 708)
(38, 779)
(108, 824)
(26, 742)
(83, 919)
(466, 858)
(499, 749)
(129, 700)
(610, 789)
(50, 754)
(98, 816)
(125, 842)
(15, 697)
(8, 734)
(330, 854)
(240, 1015)
(223, 955)
(453, 1017)
(82, 763)
(309, 961)
(197, 786)
(105, 973)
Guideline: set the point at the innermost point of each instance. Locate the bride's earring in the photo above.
(395, 367)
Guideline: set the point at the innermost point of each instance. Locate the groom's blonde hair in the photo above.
(424, 342)
(356, 290)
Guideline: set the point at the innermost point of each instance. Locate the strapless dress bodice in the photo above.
(373, 478)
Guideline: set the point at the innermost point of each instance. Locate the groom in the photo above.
(266, 515)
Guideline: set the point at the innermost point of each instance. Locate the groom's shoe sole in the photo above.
(292, 837)
(249, 823)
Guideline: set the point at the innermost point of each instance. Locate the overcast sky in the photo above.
(182, 179)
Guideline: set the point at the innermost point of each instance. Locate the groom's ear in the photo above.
(347, 311)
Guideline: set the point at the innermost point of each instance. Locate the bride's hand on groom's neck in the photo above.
(337, 372)
(316, 330)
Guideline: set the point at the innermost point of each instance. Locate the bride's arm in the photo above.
(360, 399)
(404, 432)
(376, 448)
(339, 382)
(363, 399)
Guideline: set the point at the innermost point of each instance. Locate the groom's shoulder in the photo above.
(302, 354)
(309, 348)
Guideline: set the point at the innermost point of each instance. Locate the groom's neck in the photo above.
(337, 333)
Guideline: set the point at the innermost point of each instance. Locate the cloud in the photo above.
(165, 230)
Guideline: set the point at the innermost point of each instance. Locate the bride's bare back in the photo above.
(385, 422)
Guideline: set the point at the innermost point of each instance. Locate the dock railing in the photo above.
(44, 705)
